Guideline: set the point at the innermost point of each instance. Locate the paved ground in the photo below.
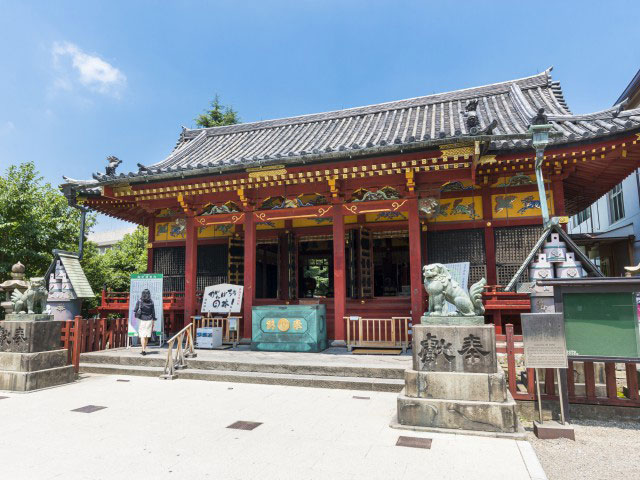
(153, 429)
(602, 450)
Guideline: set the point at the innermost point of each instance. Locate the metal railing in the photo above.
(177, 360)
(391, 332)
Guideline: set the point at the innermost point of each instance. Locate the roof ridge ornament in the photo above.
(541, 118)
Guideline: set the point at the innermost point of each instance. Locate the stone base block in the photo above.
(27, 333)
(31, 362)
(551, 430)
(463, 348)
(27, 381)
(458, 414)
(451, 321)
(480, 387)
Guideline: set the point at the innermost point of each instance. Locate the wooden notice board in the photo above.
(603, 324)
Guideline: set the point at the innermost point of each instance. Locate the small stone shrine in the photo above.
(555, 255)
(456, 381)
(30, 353)
(68, 286)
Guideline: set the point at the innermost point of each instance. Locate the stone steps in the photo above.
(265, 378)
(289, 368)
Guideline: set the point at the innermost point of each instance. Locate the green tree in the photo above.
(35, 218)
(113, 269)
(218, 115)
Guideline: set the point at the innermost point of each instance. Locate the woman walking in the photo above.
(145, 312)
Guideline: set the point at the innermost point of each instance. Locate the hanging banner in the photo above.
(222, 298)
(460, 273)
(145, 291)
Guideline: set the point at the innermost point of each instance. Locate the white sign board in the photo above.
(139, 283)
(222, 298)
(460, 273)
(209, 337)
(544, 341)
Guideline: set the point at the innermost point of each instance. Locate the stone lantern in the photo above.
(17, 282)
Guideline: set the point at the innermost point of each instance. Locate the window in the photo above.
(616, 204)
(582, 216)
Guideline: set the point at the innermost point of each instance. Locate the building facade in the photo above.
(609, 229)
(345, 207)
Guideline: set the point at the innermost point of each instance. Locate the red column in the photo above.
(415, 262)
(339, 276)
(151, 236)
(249, 271)
(489, 239)
(558, 197)
(190, 269)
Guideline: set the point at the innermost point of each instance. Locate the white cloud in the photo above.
(73, 65)
(7, 127)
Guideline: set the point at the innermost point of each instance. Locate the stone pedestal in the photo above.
(456, 381)
(30, 353)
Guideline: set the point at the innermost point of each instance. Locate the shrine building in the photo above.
(345, 207)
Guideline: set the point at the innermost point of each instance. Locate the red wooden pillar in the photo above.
(339, 274)
(249, 271)
(151, 236)
(558, 197)
(415, 262)
(190, 269)
(489, 238)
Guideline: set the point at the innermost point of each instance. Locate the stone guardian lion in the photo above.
(441, 287)
(35, 294)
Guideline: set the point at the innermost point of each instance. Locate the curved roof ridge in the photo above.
(538, 79)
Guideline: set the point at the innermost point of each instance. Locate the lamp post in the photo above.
(540, 134)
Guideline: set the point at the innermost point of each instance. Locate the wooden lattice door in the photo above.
(453, 246)
(292, 266)
(365, 263)
(236, 261)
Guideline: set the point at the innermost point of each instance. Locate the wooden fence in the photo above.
(583, 384)
(91, 335)
(391, 332)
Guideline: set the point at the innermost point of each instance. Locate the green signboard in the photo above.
(602, 324)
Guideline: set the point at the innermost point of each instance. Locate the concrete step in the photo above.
(253, 367)
(299, 380)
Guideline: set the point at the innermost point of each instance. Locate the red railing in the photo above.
(91, 335)
(607, 389)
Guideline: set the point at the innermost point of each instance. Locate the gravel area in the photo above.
(602, 450)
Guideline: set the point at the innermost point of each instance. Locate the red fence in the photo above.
(609, 390)
(92, 335)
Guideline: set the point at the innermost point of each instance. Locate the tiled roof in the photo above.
(401, 124)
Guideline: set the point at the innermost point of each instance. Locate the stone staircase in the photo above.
(312, 372)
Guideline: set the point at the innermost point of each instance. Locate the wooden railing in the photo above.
(589, 389)
(229, 337)
(178, 360)
(90, 335)
(391, 332)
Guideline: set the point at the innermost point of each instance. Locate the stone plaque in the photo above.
(544, 340)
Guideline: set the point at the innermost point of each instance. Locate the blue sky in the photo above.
(83, 80)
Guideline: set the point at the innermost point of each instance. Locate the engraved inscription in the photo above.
(472, 350)
(432, 348)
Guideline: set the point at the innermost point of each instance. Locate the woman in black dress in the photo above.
(145, 312)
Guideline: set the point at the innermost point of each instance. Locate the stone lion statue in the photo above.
(441, 287)
(36, 294)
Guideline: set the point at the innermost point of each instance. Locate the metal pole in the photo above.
(539, 396)
(560, 396)
(541, 192)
